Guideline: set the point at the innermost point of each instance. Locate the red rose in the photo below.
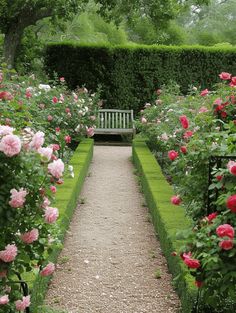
(225, 76)
(176, 200)
(184, 121)
(198, 283)
(204, 92)
(223, 114)
(219, 177)
(192, 263)
(225, 230)
(172, 155)
(183, 149)
(231, 203)
(212, 216)
(55, 100)
(226, 244)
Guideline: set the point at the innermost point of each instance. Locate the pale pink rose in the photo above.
(218, 101)
(1, 77)
(4, 300)
(51, 215)
(48, 269)
(10, 145)
(62, 79)
(46, 153)
(21, 305)
(164, 137)
(203, 110)
(56, 168)
(6, 130)
(50, 118)
(92, 117)
(17, 198)
(147, 105)
(46, 202)
(30, 236)
(158, 101)
(42, 106)
(37, 140)
(90, 131)
(143, 120)
(204, 92)
(53, 189)
(61, 99)
(9, 254)
(67, 110)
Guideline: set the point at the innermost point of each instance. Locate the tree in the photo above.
(16, 15)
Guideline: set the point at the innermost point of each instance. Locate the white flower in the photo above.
(44, 87)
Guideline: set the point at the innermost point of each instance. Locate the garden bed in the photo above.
(66, 200)
(167, 219)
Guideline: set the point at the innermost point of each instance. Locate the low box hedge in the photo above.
(168, 219)
(66, 201)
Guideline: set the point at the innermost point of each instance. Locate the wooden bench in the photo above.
(115, 122)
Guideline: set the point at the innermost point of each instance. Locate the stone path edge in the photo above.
(66, 201)
(167, 219)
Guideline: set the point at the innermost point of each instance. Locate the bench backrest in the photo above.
(115, 119)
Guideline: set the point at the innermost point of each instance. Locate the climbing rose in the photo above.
(192, 263)
(184, 121)
(17, 198)
(225, 76)
(176, 200)
(231, 203)
(30, 236)
(51, 215)
(10, 145)
(90, 131)
(48, 269)
(37, 140)
(9, 254)
(226, 244)
(225, 230)
(172, 155)
(46, 153)
(204, 92)
(4, 300)
(56, 168)
(6, 130)
(21, 305)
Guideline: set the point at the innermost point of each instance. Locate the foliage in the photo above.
(130, 75)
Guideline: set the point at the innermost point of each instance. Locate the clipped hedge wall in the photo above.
(66, 201)
(167, 220)
(129, 75)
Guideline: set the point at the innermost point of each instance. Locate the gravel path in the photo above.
(111, 261)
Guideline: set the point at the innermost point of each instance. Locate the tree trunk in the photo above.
(11, 43)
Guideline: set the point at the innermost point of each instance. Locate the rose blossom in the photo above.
(4, 300)
(48, 269)
(46, 153)
(53, 189)
(225, 76)
(184, 121)
(21, 305)
(17, 198)
(164, 136)
(3, 274)
(204, 92)
(9, 254)
(10, 145)
(6, 130)
(5, 95)
(225, 230)
(67, 139)
(203, 110)
(192, 263)
(30, 236)
(55, 146)
(56, 168)
(226, 244)
(143, 120)
(183, 149)
(172, 155)
(232, 167)
(37, 140)
(212, 216)
(62, 79)
(50, 118)
(90, 131)
(51, 215)
(231, 203)
(46, 202)
(233, 82)
(55, 100)
(176, 200)
(198, 283)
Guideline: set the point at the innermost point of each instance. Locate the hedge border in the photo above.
(66, 201)
(167, 219)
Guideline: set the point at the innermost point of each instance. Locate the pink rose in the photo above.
(67, 139)
(90, 131)
(55, 100)
(172, 155)
(51, 215)
(30, 236)
(10, 145)
(233, 81)
(225, 76)
(226, 244)
(48, 269)
(204, 92)
(9, 254)
(67, 110)
(53, 189)
(21, 305)
(192, 263)
(56, 168)
(46, 153)
(231, 203)
(4, 300)
(17, 198)
(176, 200)
(187, 134)
(143, 120)
(55, 147)
(203, 110)
(6, 130)
(232, 167)
(184, 121)
(46, 202)
(50, 118)
(225, 230)
(5, 95)
(62, 79)
(37, 140)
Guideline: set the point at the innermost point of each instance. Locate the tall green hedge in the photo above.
(129, 75)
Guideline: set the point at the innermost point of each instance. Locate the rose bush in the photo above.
(183, 133)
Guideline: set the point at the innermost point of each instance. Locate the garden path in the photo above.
(111, 255)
